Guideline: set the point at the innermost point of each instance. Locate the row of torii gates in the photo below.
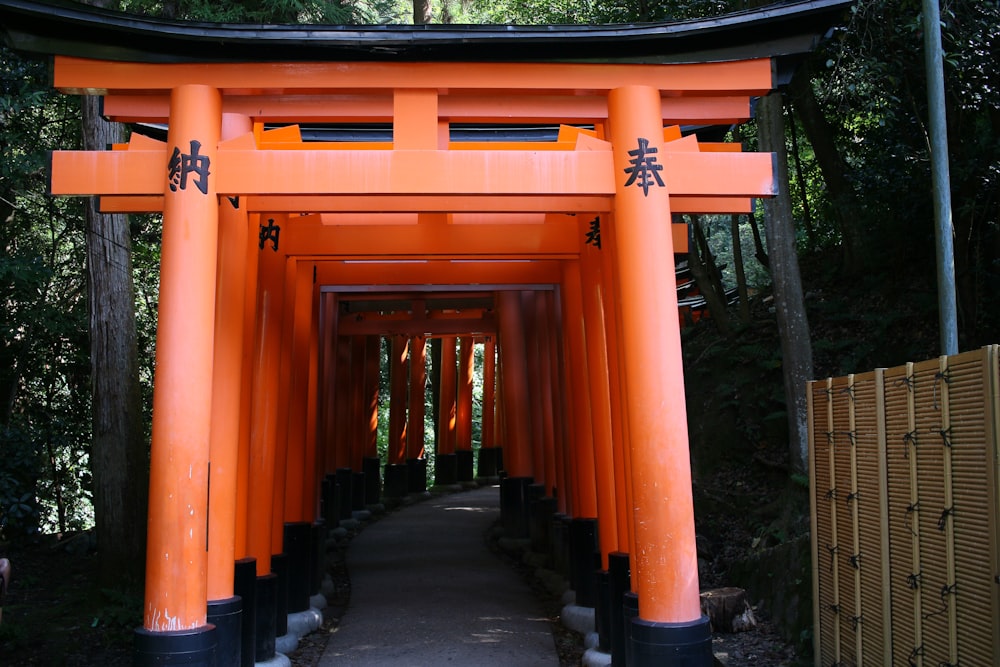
(283, 259)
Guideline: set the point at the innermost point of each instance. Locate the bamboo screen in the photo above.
(905, 512)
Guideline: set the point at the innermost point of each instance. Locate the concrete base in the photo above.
(279, 660)
(350, 524)
(578, 619)
(591, 640)
(302, 623)
(361, 515)
(376, 508)
(594, 657)
(318, 601)
(286, 643)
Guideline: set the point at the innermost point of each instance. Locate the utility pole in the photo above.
(938, 144)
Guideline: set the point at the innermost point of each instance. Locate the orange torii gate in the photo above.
(262, 231)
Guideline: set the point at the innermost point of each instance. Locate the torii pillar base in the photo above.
(191, 648)
(654, 644)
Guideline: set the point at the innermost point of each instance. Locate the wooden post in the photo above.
(418, 386)
(665, 574)
(446, 407)
(177, 557)
(514, 375)
(399, 385)
(600, 404)
(463, 403)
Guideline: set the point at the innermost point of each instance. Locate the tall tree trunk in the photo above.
(118, 457)
(741, 275)
(793, 327)
(422, 12)
(831, 164)
(703, 278)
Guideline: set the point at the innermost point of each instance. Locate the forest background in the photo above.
(79, 289)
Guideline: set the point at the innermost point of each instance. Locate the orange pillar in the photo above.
(463, 400)
(284, 386)
(399, 385)
(246, 393)
(576, 364)
(600, 404)
(311, 484)
(548, 443)
(534, 389)
(417, 409)
(298, 396)
(373, 361)
(514, 375)
(264, 433)
(665, 572)
(227, 385)
(489, 392)
(341, 431)
(446, 397)
(176, 562)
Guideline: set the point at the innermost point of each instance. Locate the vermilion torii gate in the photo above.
(269, 239)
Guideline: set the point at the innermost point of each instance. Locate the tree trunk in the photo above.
(793, 326)
(728, 610)
(118, 457)
(741, 275)
(716, 303)
(831, 164)
(422, 12)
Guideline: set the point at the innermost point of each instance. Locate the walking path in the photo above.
(425, 590)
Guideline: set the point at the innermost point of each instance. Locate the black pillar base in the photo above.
(630, 610)
(416, 475)
(330, 508)
(486, 467)
(371, 466)
(279, 567)
(226, 616)
(266, 632)
(619, 583)
(396, 480)
(191, 648)
(559, 532)
(359, 492)
(602, 615)
(245, 586)
(296, 548)
(446, 469)
(541, 510)
(317, 555)
(345, 482)
(584, 560)
(464, 465)
(514, 506)
(677, 644)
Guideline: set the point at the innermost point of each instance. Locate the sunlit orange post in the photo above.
(396, 483)
(399, 385)
(515, 424)
(487, 447)
(600, 403)
(225, 609)
(445, 469)
(174, 618)
(534, 388)
(264, 435)
(665, 573)
(370, 462)
(543, 317)
(463, 409)
(415, 415)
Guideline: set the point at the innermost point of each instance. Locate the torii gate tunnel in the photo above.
(284, 260)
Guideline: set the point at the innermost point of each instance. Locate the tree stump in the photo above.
(728, 610)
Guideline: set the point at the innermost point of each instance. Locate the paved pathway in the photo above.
(426, 591)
